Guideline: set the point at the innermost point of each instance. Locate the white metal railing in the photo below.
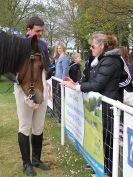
(62, 111)
(116, 106)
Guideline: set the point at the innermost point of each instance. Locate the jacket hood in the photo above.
(112, 52)
(126, 74)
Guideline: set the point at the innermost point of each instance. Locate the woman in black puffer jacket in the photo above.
(108, 75)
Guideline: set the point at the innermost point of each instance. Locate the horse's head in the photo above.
(30, 74)
(23, 57)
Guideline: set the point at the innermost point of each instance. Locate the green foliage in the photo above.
(104, 15)
(14, 13)
(93, 103)
(69, 19)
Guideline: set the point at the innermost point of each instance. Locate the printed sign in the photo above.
(93, 136)
(50, 93)
(74, 114)
(128, 146)
(83, 122)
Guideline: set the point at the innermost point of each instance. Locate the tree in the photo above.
(14, 12)
(105, 15)
(60, 18)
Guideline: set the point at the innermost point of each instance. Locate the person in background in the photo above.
(61, 61)
(130, 66)
(30, 118)
(105, 76)
(125, 55)
(74, 67)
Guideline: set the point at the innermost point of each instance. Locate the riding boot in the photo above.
(36, 141)
(24, 146)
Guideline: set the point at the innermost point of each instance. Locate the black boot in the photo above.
(24, 146)
(36, 141)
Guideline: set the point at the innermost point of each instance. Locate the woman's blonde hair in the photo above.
(100, 38)
(75, 55)
(109, 40)
(56, 55)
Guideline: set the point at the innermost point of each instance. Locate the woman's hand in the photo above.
(69, 84)
(67, 79)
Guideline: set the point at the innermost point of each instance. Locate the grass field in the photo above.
(64, 160)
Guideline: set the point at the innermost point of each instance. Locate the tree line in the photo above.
(73, 19)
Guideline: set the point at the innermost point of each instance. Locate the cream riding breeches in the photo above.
(30, 118)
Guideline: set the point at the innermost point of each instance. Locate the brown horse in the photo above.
(25, 59)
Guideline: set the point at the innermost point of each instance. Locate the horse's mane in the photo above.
(13, 52)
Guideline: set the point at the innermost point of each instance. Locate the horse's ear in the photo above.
(34, 43)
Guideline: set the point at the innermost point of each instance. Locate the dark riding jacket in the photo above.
(44, 48)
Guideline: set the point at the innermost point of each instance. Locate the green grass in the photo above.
(64, 160)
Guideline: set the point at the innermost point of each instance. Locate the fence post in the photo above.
(116, 142)
(62, 115)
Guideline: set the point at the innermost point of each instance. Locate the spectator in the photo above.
(125, 55)
(130, 66)
(104, 77)
(61, 61)
(74, 67)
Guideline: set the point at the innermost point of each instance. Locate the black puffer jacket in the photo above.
(105, 77)
(74, 71)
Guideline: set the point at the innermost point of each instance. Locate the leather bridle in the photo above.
(30, 63)
(31, 91)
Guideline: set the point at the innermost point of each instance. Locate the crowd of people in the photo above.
(107, 71)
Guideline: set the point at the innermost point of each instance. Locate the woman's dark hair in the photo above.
(124, 53)
(112, 41)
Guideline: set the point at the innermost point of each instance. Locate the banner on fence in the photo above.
(128, 98)
(74, 121)
(83, 122)
(50, 93)
(128, 146)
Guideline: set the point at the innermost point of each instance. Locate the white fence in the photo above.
(121, 167)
